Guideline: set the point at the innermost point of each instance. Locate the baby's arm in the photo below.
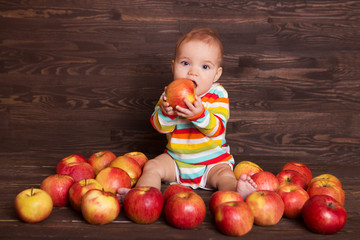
(162, 119)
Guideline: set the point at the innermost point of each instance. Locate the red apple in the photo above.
(234, 218)
(69, 159)
(33, 205)
(246, 167)
(294, 198)
(267, 207)
(185, 210)
(139, 157)
(178, 90)
(129, 165)
(265, 181)
(291, 176)
(113, 178)
(325, 187)
(328, 177)
(99, 207)
(301, 168)
(222, 196)
(101, 160)
(323, 214)
(78, 171)
(57, 186)
(175, 188)
(143, 204)
(78, 190)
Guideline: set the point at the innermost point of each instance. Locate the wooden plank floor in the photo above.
(84, 76)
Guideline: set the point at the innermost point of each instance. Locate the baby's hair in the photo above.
(206, 35)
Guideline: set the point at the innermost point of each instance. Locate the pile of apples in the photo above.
(292, 193)
(89, 186)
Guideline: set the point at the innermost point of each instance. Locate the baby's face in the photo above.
(199, 62)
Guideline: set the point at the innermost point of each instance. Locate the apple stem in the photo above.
(32, 191)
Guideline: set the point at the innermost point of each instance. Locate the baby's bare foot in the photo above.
(245, 186)
(121, 193)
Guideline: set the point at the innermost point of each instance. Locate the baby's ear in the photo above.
(172, 66)
(218, 74)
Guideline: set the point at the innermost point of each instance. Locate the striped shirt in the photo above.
(200, 140)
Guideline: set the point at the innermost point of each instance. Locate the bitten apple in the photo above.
(129, 165)
(185, 210)
(323, 214)
(222, 196)
(57, 186)
(78, 171)
(101, 160)
(99, 207)
(143, 204)
(325, 187)
(33, 205)
(246, 167)
(175, 188)
(234, 218)
(266, 181)
(139, 157)
(299, 167)
(79, 189)
(113, 178)
(294, 198)
(69, 159)
(291, 177)
(178, 90)
(267, 207)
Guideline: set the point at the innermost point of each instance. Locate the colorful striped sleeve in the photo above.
(163, 123)
(212, 120)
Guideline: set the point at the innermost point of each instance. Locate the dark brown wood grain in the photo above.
(84, 76)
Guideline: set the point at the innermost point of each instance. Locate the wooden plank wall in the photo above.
(83, 76)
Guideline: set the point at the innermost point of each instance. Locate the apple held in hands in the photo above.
(79, 189)
(185, 210)
(78, 171)
(69, 159)
(113, 178)
(99, 207)
(299, 167)
(101, 160)
(223, 196)
(246, 167)
(179, 90)
(139, 157)
(33, 205)
(143, 204)
(265, 181)
(175, 188)
(234, 218)
(294, 198)
(129, 165)
(323, 214)
(291, 177)
(267, 207)
(57, 186)
(325, 187)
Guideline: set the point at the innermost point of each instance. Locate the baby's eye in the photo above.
(185, 63)
(206, 67)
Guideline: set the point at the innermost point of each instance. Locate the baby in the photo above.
(196, 154)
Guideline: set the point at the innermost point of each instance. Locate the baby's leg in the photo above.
(159, 169)
(245, 186)
(221, 177)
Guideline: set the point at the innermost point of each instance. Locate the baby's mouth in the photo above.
(195, 84)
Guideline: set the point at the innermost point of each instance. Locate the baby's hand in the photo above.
(192, 110)
(166, 108)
